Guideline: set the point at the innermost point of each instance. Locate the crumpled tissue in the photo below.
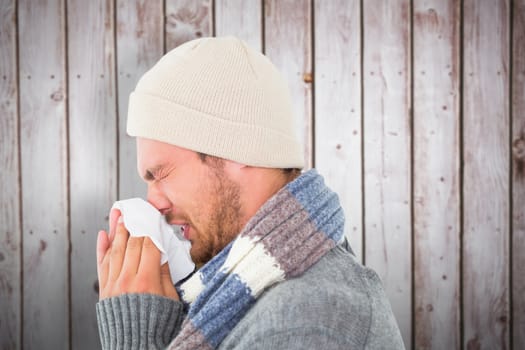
(142, 219)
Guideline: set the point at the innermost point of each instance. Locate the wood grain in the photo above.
(288, 44)
(468, 186)
(436, 178)
(10, 228)
(44, 173)
(518, 174)
(93, 163)
(387, 152)
(140, 44)
(486, 175)
(338, 118)
(187, 20)
(241, 18)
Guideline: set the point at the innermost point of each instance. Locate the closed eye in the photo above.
(148, 176)
(152, 173)
(156, 174)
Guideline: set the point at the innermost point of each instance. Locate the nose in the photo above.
(158, 199)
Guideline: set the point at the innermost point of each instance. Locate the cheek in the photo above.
(180, 191)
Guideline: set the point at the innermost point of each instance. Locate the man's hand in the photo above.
(130, 264)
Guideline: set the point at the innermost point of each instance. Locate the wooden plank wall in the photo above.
(436, 175)
(486, 173)
(517, 185)
(10, 206)
(44, 161)
(414, 111)
(386, 154)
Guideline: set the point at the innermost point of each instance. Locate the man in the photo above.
(216, 146)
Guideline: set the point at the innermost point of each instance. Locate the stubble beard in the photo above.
(225, 221)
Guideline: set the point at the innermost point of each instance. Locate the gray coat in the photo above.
(336, 304)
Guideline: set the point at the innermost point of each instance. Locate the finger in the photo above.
(102, 266)
(102, 245)
(150, 260)
(132, 257)
(167, 283)
(118, 249)
(114, 216)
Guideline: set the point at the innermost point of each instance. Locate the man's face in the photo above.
(198, 195)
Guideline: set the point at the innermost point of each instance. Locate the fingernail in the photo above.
(120, 219)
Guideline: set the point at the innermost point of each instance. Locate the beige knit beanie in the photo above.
(219, 97)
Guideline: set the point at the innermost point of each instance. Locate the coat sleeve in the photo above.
(138, 321)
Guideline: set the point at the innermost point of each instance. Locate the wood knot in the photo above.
(171, 21)
(518, 149)
(307, 77)
(43, 246)
(473, 344)
(57, 96)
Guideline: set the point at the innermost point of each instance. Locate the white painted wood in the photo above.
(288, 44)
(241, 18)
(93, 172)
(518, 174)
(486, 175)
(387, 158)
(140, 44)
(338, 131)
(436, 179)
(187, 20)
(491, 147)
(10, 230)
(44, 174)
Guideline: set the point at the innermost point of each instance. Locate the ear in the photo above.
(234, 169)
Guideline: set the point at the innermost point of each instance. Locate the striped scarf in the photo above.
(286, 236)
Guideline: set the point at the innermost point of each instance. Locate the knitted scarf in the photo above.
(287, 235)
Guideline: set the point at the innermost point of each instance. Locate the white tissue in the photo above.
(142, 219)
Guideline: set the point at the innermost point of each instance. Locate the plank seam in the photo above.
(362, 125)
(411, 145)
(116, 90)
(212, 18)
(312, 87)
(511, 172)
(164, 26)
(68, 177)
(461, 172)
(263, 26)
(19, 165)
